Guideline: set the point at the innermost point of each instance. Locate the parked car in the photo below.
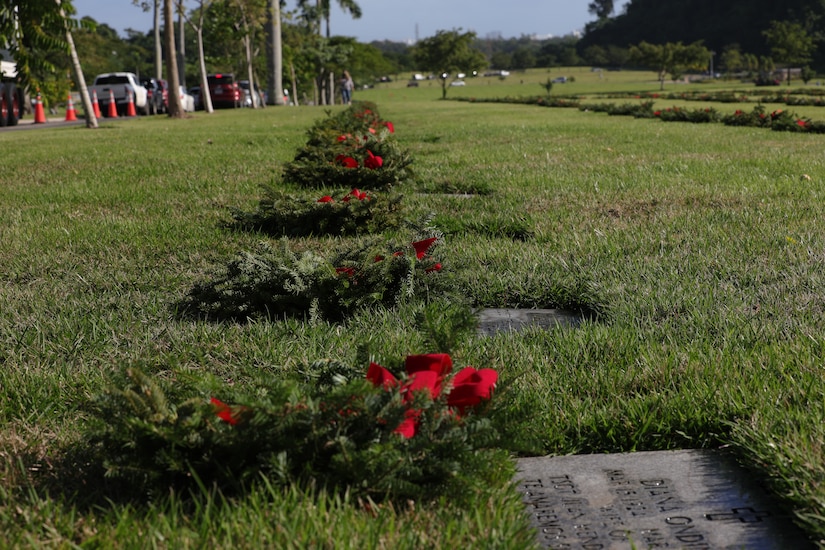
(560, 80)
(164, 88)
(195, 92)
(458, 83)
(119, 87)
(250, 99)
(154, 96)
(187, 101)
(224, 90)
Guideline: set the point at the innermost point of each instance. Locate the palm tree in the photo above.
(314, 14)
(206, 97)
(275, 86)
(91, 119)
(175, 106)
(154, 5)
(321, 10)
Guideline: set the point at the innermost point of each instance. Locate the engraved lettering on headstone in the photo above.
(693, 500)
(563, 484)
(576, 507)
(685, 531)
(744, 515)
(664, 498)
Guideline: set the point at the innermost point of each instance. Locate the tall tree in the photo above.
(274, 54)
(247, 23)
(347, 5)
(672, 58)
(181, 44)
(88, 108)
(313, 12)
(175, 105)
(155, 7)
(316, 10)
(158, 50)
(448, 53)
(790, 44)
(732, 59)
(600, 8)
(717, 23)
(201, 13)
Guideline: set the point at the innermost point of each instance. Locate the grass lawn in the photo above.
(700, 249)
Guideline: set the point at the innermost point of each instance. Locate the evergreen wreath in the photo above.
(355, 212)
(158, 434)
(352, 149)
(277, 281)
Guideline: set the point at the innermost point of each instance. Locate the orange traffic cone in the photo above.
(112, 105)
(71, 114)
(130, 106)
(39, 115)
(95, 104)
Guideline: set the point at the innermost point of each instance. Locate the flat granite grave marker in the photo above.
(492, 321)
(691, 499)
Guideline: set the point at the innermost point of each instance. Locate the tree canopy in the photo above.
(448, 53)
(672, 59)
(790, 44)
(33, 31)
(717, 24)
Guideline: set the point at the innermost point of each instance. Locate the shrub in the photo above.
(756, 118)
(679, 114)
(636, 110)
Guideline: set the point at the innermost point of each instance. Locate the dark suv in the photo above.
(224, 90)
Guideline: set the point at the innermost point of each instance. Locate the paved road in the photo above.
(28, 124)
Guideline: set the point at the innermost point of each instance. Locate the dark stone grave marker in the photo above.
(492, 321)
(690, 499)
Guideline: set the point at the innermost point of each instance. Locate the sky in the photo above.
(403, 20)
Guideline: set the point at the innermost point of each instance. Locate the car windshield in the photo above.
(112, 79)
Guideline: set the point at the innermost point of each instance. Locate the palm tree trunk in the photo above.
(250, 74)
(158, 50)
(91, 119)
(181, 46)
(275, 84)
(206, 97)
(294, 84)
(175, 107)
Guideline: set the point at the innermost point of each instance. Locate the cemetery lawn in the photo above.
(697, 253)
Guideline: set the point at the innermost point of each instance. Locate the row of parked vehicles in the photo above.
(151, 95)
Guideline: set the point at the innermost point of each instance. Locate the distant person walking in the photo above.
(346, 88)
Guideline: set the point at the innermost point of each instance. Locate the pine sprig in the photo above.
(343, 213)
(277, 282)
(340, 436)
(354, 148)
